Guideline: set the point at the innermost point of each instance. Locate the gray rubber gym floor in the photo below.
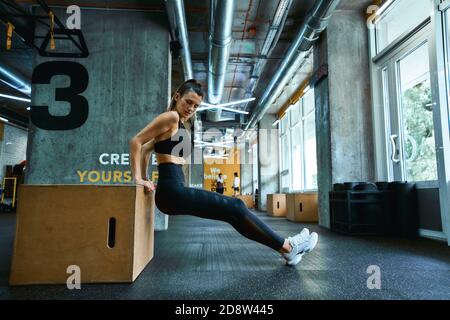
(204, 259)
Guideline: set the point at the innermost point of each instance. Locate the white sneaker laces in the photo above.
(298, 239)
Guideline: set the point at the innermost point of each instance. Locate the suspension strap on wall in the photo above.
(9, 32)
(52, 36)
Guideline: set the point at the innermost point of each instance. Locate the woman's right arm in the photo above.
(161, 124)
(146, 152)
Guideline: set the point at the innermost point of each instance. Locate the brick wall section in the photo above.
(13, 147)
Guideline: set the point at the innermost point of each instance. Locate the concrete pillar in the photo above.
(128, 69)
(343, 106)
(246, 169)
(197, 169)
(268, 159)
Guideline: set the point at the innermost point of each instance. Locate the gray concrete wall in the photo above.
(196, 167)
(268, 160)
(128, 87)
(343, 107)
(197, 170)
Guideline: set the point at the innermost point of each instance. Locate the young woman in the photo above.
(219, 184)
(236, 184)
(163, 135)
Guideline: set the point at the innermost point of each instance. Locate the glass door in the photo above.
(415, 116)
(407, 98)
(442, 32)
(411, 91)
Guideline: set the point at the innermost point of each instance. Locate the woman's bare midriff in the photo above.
(167, 158)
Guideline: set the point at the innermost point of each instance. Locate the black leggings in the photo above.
(173, 198)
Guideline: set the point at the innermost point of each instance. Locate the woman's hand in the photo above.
(148, 185)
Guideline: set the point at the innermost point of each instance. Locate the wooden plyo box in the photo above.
(302, 207)
(248, 200)
(276, 205)
(107, 231)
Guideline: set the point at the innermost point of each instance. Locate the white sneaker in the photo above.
(303, 236)
(301, 249)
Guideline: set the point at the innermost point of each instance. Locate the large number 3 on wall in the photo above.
(79, 106)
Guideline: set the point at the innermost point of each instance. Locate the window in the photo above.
(295, 113)
(416, 109)
(254, 150)
(284, 124)
(309, 142)
(298, 146)
(285, 153)
(394, 22)
(447, 48)
(297, 157)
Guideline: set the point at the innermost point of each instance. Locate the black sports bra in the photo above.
(166, 146)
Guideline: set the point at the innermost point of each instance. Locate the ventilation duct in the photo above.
(316, 21)
(220, 37)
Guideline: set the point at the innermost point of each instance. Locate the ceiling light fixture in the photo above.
(225, 156)
(227, 104)
(15, 82)
(7, 96)
(223, 106)
(213, 144)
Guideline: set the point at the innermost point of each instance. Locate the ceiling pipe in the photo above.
(316, 21)
(177, 20)
(271, 40)
(220, 37)
(219, 47)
